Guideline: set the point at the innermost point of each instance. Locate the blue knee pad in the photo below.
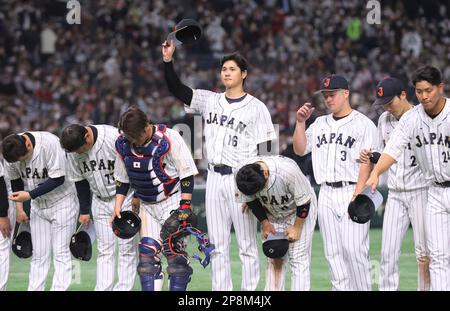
(149, 267)
(179, 272)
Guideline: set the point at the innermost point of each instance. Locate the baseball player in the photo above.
(158, 165)
(282, 199)
(7, 222)
(236, 125)
(407, 192)
(36, 166)
(91, 161)
(335, 141)
(426, 130)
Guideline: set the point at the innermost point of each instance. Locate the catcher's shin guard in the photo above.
(149, 267)
(179, 272)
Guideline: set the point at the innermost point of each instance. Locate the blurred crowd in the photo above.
(53, 74)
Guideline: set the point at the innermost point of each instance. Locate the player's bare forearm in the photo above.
(120, 198)
(19, 206)
(294, 232)
(266, 228)
(364, 173)
(384, 163)
(20, 196)
(186, 196)
(299, 139)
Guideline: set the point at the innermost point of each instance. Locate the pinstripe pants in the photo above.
(221, 212)
(106, 246)
(51, 230)
(402, 207)
(346, 243)
(298, 255)
(5, 248)
(438, 237)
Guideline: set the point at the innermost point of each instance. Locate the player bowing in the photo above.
(36, 166)
(282, 199)
(91, 162)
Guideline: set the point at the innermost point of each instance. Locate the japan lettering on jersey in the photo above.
(286, 188)
(429, 139)
(405, 174)
(232, 131)
(336, 144)
(48, 161)
(97, 165)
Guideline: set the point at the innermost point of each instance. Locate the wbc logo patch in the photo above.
(326, 82)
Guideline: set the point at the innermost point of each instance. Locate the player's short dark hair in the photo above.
(133, 122)
(73, 137)
(427, 73)
(13, 147)
(250, 179)
(237, 58)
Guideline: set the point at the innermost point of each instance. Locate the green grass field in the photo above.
(84, 272)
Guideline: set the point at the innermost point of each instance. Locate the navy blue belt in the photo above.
(222, 169)
(444, 184)
(340, 184)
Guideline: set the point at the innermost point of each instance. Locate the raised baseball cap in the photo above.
(187, 31)
(363, 207)
(387, 89)
(276, 245)
(334, 82)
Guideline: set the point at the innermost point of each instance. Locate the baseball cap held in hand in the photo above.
(276, 245)
(363, 207)
(187, 31)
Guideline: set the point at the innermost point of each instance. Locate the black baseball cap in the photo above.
(334, 82)
(276, 245)
(387, 89)
(363, 207)
(187, 31)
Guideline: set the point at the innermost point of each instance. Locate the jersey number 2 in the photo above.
(446, 156)
(413, 161)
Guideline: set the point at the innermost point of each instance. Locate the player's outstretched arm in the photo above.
(384, 163)
(175, 86)
(364, 173)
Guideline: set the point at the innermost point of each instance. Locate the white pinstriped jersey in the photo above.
(48, 161)
(178, 162)
(335, 145)
(97, 165)
(430, 141)
(232, 131)
(286, 188)
(405, 174)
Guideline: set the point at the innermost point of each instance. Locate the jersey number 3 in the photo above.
(343, 155)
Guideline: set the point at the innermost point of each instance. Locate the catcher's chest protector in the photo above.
(144, 166)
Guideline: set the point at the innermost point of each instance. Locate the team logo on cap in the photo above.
(380, 91)
(326, 82)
